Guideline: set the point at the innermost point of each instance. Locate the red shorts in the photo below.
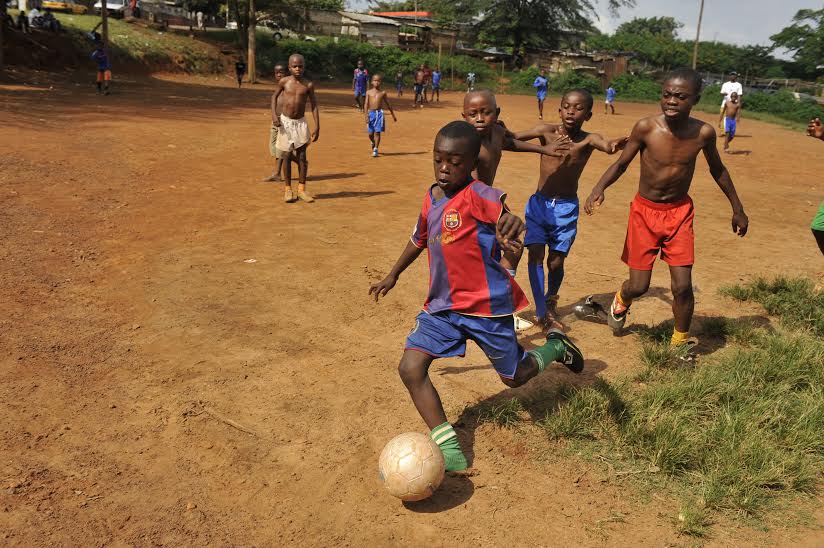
(655, 227)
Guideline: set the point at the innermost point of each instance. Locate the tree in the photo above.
(805, 39)
(252, 45)
(666, 27)
(538, 23)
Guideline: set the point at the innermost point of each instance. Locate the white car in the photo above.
(278, 32)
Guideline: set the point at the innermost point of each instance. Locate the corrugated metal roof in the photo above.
(364, 18)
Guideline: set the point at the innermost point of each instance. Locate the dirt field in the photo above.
(158, 386)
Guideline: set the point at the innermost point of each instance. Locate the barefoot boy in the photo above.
(293, 131)
(420, 83)
(541, 85)
(732, 113)
(375, 123)
(661, 216)
(278, 155)
(359, 79)
(552, 212)
(609, 102)
(470, 294)
(481, 110)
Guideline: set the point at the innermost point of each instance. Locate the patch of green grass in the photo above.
(506, 413)
(693, 520)
(796, 302)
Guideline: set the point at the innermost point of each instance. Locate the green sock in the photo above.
(446, 438)
(551, 351)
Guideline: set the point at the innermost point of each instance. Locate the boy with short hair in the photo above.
(470, 81)
(104, 69)
(436, 84)
(240, 70)
(399, 83)
(732, 113)
(470, 295)
(420, 82)
(293, 131)
(541, 85)
(609, 103)
(375, 123)
(552, 212)
(359, 81)
(661, 216)
(278, 155)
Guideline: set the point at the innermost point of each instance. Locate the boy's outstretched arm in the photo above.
(740, 222)
(408, 256)
(539, 131)
(558, 148)
(315, 112)
(632, 147)
(610, 147)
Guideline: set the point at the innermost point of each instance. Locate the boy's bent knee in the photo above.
(413, 368)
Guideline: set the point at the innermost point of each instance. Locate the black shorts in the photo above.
(418, 89)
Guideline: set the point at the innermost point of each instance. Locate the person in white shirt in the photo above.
(33, 14)
(731, 85)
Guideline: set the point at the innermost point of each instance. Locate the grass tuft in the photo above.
(693, 520)
(796, 302)
(507, 413)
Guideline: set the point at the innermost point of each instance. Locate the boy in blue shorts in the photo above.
(552, 212)
(732, 113)
(471, 296)
(541, 84)
(609, 103)
(375, 124)
(359, 79)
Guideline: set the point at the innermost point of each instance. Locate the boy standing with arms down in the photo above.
(375, 123)
(552, 212)
(436, 84)
(293, 131)
(732, 113)
(359, 80)
(609, 103)
(661, 216)
(541, 85)
(279, 155)
(420, 83)
(470, 294)
(240, 70)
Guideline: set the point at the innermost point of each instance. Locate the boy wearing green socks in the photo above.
(464, 224)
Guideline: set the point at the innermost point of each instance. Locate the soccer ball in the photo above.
(411, 466)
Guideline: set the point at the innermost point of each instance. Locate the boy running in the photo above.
(375, 124)
(359, 81)
(436, 85)
(471, 297)
(240, 70)
(293, 131)
(609, 103)
(104, 69)
(732, 113)
(661, 216)
(552, 212)
(541, 84)
(481, 110)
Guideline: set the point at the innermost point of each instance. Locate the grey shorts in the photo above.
(273, 139)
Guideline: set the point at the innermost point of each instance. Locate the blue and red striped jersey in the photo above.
(465, 274)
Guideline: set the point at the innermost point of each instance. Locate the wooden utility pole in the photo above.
(697, 36)
(104, 15)
(250, 63)
(2, 30)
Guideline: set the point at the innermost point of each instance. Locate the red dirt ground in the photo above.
(158, 389)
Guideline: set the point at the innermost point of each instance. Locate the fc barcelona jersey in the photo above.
(465, 274)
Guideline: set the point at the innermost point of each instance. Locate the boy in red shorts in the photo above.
(661, 216)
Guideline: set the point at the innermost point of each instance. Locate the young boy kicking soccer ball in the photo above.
(470, 295)
(661, 215)
(375, 123)
(552, 212)
(293, 131)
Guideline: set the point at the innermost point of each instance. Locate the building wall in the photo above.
(324, 23)
(379, 34)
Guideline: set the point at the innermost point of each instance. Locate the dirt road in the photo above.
(186, 360)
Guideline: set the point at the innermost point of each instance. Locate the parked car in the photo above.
(278, 32)
(117, 8)
(68, 6)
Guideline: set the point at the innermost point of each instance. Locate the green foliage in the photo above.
(573, 80)
(794, 300)
(505, 413)
(655, 26)
(326, 58)
(805, 38)
(629, 86)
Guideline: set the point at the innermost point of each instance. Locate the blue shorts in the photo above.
(376, 122)
(418, 89)
(730, 125)
(552, 222)
(541, 95)
(444, 335)
(360, 91)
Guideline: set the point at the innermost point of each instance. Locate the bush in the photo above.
(573, 80)
(780, 103)
(329, 59)
(522, 81)
(630, 86)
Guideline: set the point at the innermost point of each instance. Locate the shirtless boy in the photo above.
(552, 212)
(732, 113)
(293, 130)
(661, 216)
(420, 84)
(376, 98)
(481, 110)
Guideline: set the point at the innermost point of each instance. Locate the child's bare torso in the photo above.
(731, 109)
(374, 99)
(668, 157)
(559, 176)
(490, 155)
(292, 102)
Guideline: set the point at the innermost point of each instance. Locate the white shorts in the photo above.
(293, 133)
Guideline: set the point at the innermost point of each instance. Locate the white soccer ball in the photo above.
(411, 466)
